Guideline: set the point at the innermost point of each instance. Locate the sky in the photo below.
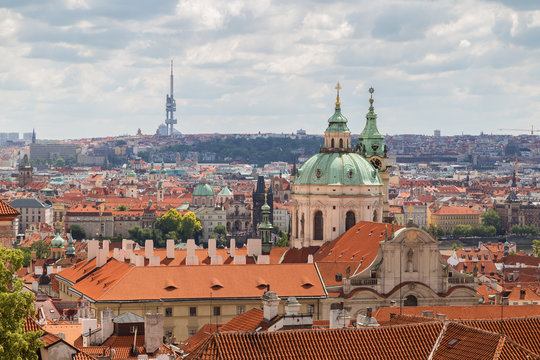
(94, 68)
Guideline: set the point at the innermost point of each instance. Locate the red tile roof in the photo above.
(7, 210)
(396, 342)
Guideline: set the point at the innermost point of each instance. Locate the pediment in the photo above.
(413, 236)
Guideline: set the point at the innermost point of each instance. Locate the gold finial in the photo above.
(371, 91)
(338, 87)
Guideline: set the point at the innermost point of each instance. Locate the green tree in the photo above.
(536, 248)
(15, 307)
(77, 232)
(484, 230)
(491, 218)
(462, 230)
(122, 208)
(190, 225)
(27, 255)
(456, 246)
(60, 162)
(41, 248)
(169, 222)
(220, 230)
(171, 235)
(283, 241)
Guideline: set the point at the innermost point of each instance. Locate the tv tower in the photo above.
(170, 107)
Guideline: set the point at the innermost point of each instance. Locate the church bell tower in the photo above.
(372, 147)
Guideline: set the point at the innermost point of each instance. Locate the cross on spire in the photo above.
(338, 87)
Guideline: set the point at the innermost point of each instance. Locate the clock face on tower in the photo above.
(376, 162)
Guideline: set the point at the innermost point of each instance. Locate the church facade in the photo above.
(339, 186)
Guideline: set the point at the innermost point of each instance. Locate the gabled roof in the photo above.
(28, 203)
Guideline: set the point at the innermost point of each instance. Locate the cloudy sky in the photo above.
(84, 68)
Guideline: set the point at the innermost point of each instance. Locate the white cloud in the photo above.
(101, 68)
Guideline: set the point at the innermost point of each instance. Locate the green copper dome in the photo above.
(225, 191)
(131, 173)
(203, 190)
(337, 169)
(57, 242)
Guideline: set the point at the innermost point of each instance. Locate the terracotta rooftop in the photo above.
(118, 281)
(462, 312)
(8, 210)
(356, 249)
(396, 342)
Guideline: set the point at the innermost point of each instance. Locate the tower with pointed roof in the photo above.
(372, 147)
(265, 228)
(259, 196)
(25, 171)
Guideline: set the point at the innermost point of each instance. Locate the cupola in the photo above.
(337, 137)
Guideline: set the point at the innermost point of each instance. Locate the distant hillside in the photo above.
(258, 151)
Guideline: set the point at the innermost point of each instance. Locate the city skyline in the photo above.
(76, 69)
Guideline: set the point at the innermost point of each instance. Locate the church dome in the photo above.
(57, 242)
(203, 190)
(337, 168)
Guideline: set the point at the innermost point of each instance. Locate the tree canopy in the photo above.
(491, 218)
(77, 232)
(15, 307)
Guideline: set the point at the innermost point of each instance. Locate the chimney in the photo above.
(170, 249)
(190, 247)
(270, 304)
(93, 247)
(115, 253)
(211, 247)
(427, 313)
(50, 270)
(310, 259)
(239, 259)
(154, 261)
(148, 248)
(127, 244)
(254, 247)
(292, 306)
(216, 260)
(232, 248)
(263, 259)
(153, 332)
(139, 260)
(101, 257)
(441, 316)
(105, 245)
(366, 320)
(106, 324)
(369, 312)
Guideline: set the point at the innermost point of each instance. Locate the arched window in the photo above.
(332, 143)
(340, 143)
(350, 220)
(318, 226)
(302, 222)
(296, 226)
(410, 300)
(375, 217)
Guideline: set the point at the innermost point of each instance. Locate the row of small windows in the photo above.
(216, 310)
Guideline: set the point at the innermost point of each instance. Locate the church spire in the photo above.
(265, 227)
(371, 141)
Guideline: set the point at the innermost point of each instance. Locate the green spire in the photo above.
(371, 141)
(70, 250)
(265, 227)
(337, 122)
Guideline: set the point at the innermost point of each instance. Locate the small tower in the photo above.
(25, 171)
(160, 191)
(70, 250)
(265, 228)
(33, 136)
(259, 198)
